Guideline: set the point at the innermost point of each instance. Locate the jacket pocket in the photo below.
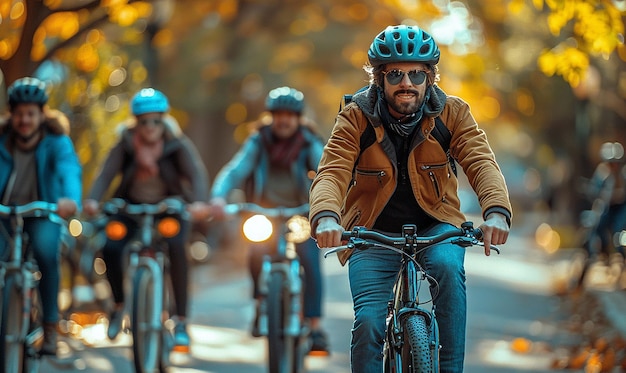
(369, 179)
(437, 176)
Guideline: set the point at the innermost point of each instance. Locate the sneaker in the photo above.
(181, 338)
(115, 324)
(319, 343)
(50, 336)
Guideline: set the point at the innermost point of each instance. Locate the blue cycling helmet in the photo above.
(27, 91)
(403, 44)
(149, 100)
(285, 98)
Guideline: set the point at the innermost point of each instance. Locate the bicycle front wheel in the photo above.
(147, 342)
(11, 338)
(416, 352)
(280, 346)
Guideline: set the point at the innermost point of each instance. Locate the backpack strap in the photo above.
(444, 136)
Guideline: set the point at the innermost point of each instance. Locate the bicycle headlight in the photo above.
(299, 229)
(75, 227)
(115, 230)
(168, 227)
(257, 228)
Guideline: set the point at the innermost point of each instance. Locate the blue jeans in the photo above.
(372, 274)
(44, 237)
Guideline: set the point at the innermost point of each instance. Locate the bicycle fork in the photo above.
(152, 265)
(291, 273)
(26, 282)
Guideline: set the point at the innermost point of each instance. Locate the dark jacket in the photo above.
(360, 201)
(180, 166)
(253, 160)
(59, 173)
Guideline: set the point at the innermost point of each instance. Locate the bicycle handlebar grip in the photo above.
(478, 233)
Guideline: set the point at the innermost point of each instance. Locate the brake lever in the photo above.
(492, 247)
(336, 249)
(470, 241)
(353, 243)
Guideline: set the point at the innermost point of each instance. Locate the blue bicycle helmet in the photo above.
(403, 44)
(149, 100)
(27, 91)
(285, 98)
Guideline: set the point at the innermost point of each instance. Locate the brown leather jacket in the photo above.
(359, 201)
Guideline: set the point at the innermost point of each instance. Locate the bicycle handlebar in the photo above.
(272, 212)
(168, 205)
(35, 209)
(31, 209)
(362, 238)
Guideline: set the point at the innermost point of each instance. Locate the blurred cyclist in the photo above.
(38, 162)
(155, 161)
(278, 158)
(608, 187)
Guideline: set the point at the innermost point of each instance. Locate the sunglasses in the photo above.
(395, 76)
(154, 122)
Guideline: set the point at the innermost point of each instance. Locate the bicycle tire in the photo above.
(35, 336)
(416, 353)
(147, 342)
(12, 343)
(280, 346)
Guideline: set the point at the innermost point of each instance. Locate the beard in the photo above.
(404, 108)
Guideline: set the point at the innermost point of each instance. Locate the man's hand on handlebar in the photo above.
(198, 210)
(495, 231)
(91, 207)
(66, 207)
(328, 233)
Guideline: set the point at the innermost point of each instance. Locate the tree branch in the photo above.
(62, 44)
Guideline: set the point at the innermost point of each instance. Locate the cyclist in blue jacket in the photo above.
(38, 163)
(277, 160)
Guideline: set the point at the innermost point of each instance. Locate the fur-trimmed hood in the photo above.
(56, 122)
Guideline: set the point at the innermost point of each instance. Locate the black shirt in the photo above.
(402, 208)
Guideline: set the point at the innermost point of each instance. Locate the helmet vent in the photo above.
(424, 49)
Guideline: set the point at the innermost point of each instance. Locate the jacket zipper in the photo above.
(432, 177)
(379, 175)
(435, 184)
(434, 166)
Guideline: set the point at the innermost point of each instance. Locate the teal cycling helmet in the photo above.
(403, 44)
(27, 91)
(149, 100)
(285, 98)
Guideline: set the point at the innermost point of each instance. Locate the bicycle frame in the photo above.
(406, 302)
(280, 286)
(21, 272)
(147, 253)
(412, 336)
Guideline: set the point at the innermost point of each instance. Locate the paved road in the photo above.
(514, 321)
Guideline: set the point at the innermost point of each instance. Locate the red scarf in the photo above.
(147, 156)
(282, 152)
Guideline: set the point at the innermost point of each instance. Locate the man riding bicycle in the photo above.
(155, 161)
(276, 160)
(38, 163)
(405, 177)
